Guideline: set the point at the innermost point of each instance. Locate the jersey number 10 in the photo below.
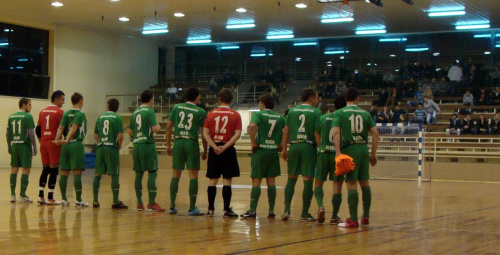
(356, 124)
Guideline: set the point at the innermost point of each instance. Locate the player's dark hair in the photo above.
(226, 96)
(340, 102)
(113, 104)
(56, 95)
(351, 94)
(75, 98)
(192, 94)
(146, 96)
(23, 101)
(308, 93)
(268, 101)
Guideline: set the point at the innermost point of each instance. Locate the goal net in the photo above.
(400, 152)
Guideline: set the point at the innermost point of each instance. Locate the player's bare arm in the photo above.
(71, 133)
(168, 136)
(318, 139)
(336, 140)
(232, 141)
(375, 135)
(210, 141)
(130, 132)
(96, 137)
(31, 134)
(120, 140)
(253, 132)
(284, 142)
(205, 145)
(8, 141)
(156, 128)
(60, 131)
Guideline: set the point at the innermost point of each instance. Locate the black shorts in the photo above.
(225, 164)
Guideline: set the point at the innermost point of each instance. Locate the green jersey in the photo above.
(355, 124)
(108, 126)
(17, 127)
(270, 128)
(143, 119)
(75, 116)
(325, 129)
(187, 119)
(303, 121)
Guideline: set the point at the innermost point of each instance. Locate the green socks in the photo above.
(367, 200)
(63, 183)
(115, 187)
(336, 201)
(254, 198)
(138, 186)
(193, 192)
(95, 188)
(318, 194)
(78, 187)
(289, 190)
(24, 184)
(13, 180)
(271, 195)
(307, 195)
(353, 200)
(174, 188)
(152, 187)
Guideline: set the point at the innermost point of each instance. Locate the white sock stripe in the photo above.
(41, 188)
(51, 190)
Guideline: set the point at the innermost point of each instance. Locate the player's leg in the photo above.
(174, 187)
(54, 153)
(139, 174)
(294, 157)
(337, 199)
(13, 182)
(273, 171)
(214, 172)
(113, 167)
(352, 187)
(366, 193)
(95, 188)
(100, 169)
(192, 153)
(178, 163)
(227, 194)
(308, 166)
(257, 173)
(151, 165)
(319, 179)
(271, 196)
(211, 194)
(230, 169)
(65, 169)
(78, 165)
(45, 172)
(26, 158)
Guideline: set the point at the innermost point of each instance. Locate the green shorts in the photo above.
(265, 163)
(302, 159)
(72, 156)
(145, 157)
(107, 161)
(186, 153)
(21, 155)
(360, 155)
(325, 166)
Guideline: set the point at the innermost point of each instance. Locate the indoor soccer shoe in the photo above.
(96, 205)
(230, 214)
(249, 214)
(13, 199)
(155, 208)
(64, 203)
(195, 212)
(335, 221)
(365, 221)
(25, 199)
(321, 215)
(307, 218)
(172, 210)
(349, 224)
(271, 215)
(285, 216)
(41, 200)
(140, 207)
(81, 204)
(120, 205)
(52, 202)
(210, 213)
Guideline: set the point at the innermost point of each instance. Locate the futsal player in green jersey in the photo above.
(266, 131)
(108, 133)
(21, 144)
(142, 127)
(186, 118)
(325, 165)
(351, 127)
(301, 123)
(74, 127)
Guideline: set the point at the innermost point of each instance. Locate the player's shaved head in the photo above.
(76, 98)
(268, 101)
(351, 94)
(226, 96)
(113, 104)
(146, 96)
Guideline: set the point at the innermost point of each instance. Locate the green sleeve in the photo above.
(79, 118)
(96, 128)
(119, 124)
(152, 118)
(255, 118)
(64, 120)
(336, 119)
(202, 118)
(172, 114)
(31, 123)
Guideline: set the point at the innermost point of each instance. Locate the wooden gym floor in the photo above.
(435, 218)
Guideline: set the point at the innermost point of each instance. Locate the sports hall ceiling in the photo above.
(209, 18)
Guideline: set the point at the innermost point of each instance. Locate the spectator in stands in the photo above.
(428, 93)
(405, 71)
(373, 113)
(432, 110)
(382, 98)
(430, 71)
(495, 76)
(482, 125)
(213, 84)
(454, 126)
(444, 87)
(420, 115)
(274, 93)
(455, 75)
(329, 91)
(388, 79)
(483, 98)
(468, 99)
(418, 97)
(495, 125)
(340, 88)
(496, 96)
(467, 125)
(172, 92)
(384, 116)
(398, 115)
(393, 98)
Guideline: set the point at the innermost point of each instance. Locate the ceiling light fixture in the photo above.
(393, 40)
(235, 47)
(179, 14)
(446, 13)
(487, 53)
(241, 10)
(416, 49)
(124, 19)
(115, 0)
(260, 54)
(240, 26)
(156, 31)
(337, 20)
(301, 5)
(8, 30)
(334, 52)
(198, 41)
(274, 37)
(483, 36)
(464, 27)
(4, 44)
(57, 4)
(392, 56)
(369, 32)
(306, 44)
(436, 54)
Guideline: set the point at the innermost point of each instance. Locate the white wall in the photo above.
(92, 63)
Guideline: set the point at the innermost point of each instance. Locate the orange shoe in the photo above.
(155, 208)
